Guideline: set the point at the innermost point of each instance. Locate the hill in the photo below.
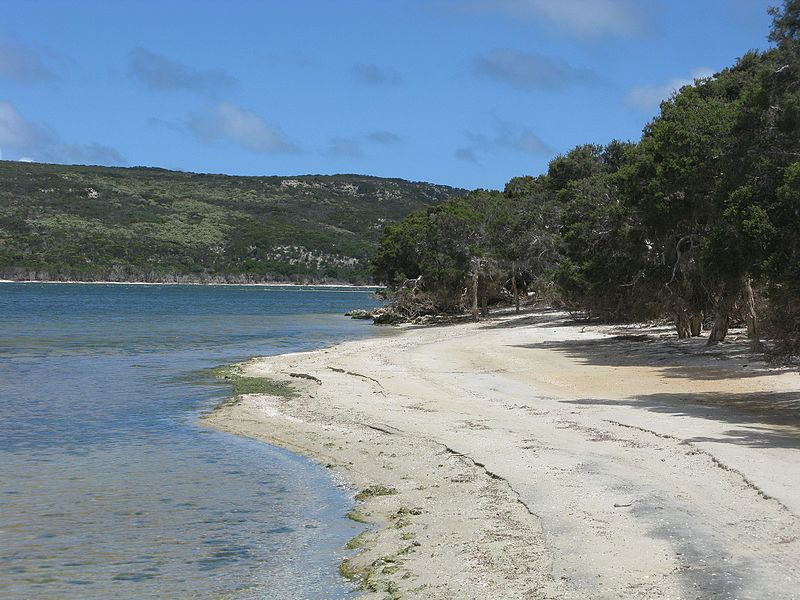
(146, 224)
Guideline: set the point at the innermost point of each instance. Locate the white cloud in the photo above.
(649, 97)
(16, 131)
(227, 122)
(24, 137)
(581, 18)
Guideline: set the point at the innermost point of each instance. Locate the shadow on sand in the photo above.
(541, 318)
(687, 358)
(763, 420)
(757, 419)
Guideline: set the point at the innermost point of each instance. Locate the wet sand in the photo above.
(527, 456)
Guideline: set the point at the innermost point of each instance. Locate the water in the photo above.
(108, 488)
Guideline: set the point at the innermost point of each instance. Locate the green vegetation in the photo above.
(350, 572)
(402, 518)
(698, 221)
(368, 577)
(243, 384)
(357, 516)
(358, 541)
(375, 490)
(142, 224)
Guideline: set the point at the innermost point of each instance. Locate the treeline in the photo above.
(698, 221)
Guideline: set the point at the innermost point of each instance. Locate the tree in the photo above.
(438, 249)
(689, 167)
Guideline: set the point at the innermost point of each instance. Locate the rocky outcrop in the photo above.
(359, 313)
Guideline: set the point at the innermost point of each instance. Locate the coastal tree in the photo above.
(697, 221)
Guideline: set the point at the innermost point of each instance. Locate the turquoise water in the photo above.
(108, 488)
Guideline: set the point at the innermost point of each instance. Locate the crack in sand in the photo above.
(715, 461)
(346, 372)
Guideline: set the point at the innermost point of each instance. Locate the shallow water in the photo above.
(107, 485)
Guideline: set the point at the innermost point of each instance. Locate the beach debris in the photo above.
(316, 380)
(387, 429)
(384, 316)
(372, 379)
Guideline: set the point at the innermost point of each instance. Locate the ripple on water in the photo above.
(108, 488)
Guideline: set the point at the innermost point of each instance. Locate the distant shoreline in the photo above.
(199, 283)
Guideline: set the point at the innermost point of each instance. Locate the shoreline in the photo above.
(529, 457)
(265, 284)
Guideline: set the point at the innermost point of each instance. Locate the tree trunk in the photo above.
(696, 324)
(475, 294)
(484, 296)
(514, 289)
(750, 316)
(682, 322)
(721, 320)
(682, 325)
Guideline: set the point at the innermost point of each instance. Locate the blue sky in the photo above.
(464, 92)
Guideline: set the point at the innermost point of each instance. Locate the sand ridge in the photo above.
(533, 457)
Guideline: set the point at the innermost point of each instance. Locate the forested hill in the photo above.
(146, 224)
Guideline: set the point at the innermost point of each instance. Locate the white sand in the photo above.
(536, 458)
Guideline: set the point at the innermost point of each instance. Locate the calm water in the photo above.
(107, 486)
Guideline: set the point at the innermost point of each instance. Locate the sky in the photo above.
(468, 93)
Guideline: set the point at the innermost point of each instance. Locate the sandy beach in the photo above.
(528, 456)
